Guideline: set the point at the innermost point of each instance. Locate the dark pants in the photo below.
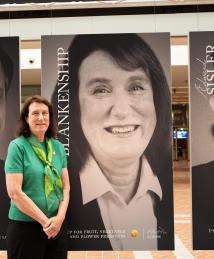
(28, 240)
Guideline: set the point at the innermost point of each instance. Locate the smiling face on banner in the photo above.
(117, 108)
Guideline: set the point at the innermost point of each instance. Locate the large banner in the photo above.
(202, 137)
(111, 98)
(9, 112)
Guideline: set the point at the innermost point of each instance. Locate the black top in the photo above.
(202, 206)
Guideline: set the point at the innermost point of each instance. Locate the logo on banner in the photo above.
(205, 82)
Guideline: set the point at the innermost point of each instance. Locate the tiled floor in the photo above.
(183, 241)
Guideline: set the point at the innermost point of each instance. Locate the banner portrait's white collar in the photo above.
(94, 184)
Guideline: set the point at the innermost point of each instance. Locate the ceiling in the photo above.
(46, 5)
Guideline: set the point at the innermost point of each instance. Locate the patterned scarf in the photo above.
(52, 179)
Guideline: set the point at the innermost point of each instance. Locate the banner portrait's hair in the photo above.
(7, 66)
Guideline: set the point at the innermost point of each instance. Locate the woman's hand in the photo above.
(53, 226)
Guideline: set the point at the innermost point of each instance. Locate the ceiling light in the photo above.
(179, 55)
(30, 59)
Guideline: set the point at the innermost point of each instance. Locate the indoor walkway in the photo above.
(183, 239)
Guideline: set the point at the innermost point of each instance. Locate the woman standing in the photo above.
(38, 186)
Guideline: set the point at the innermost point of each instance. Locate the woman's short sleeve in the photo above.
(64, 159)
(14, 159)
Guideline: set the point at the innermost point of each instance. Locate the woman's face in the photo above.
(117, 110)
(2, 98)
(38, 118)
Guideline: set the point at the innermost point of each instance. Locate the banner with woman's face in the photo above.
(9, 112)
(111, 98)
(201, 46)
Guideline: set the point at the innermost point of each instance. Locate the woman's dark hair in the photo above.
(23, 127)
(130, 52)
(7, 66)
